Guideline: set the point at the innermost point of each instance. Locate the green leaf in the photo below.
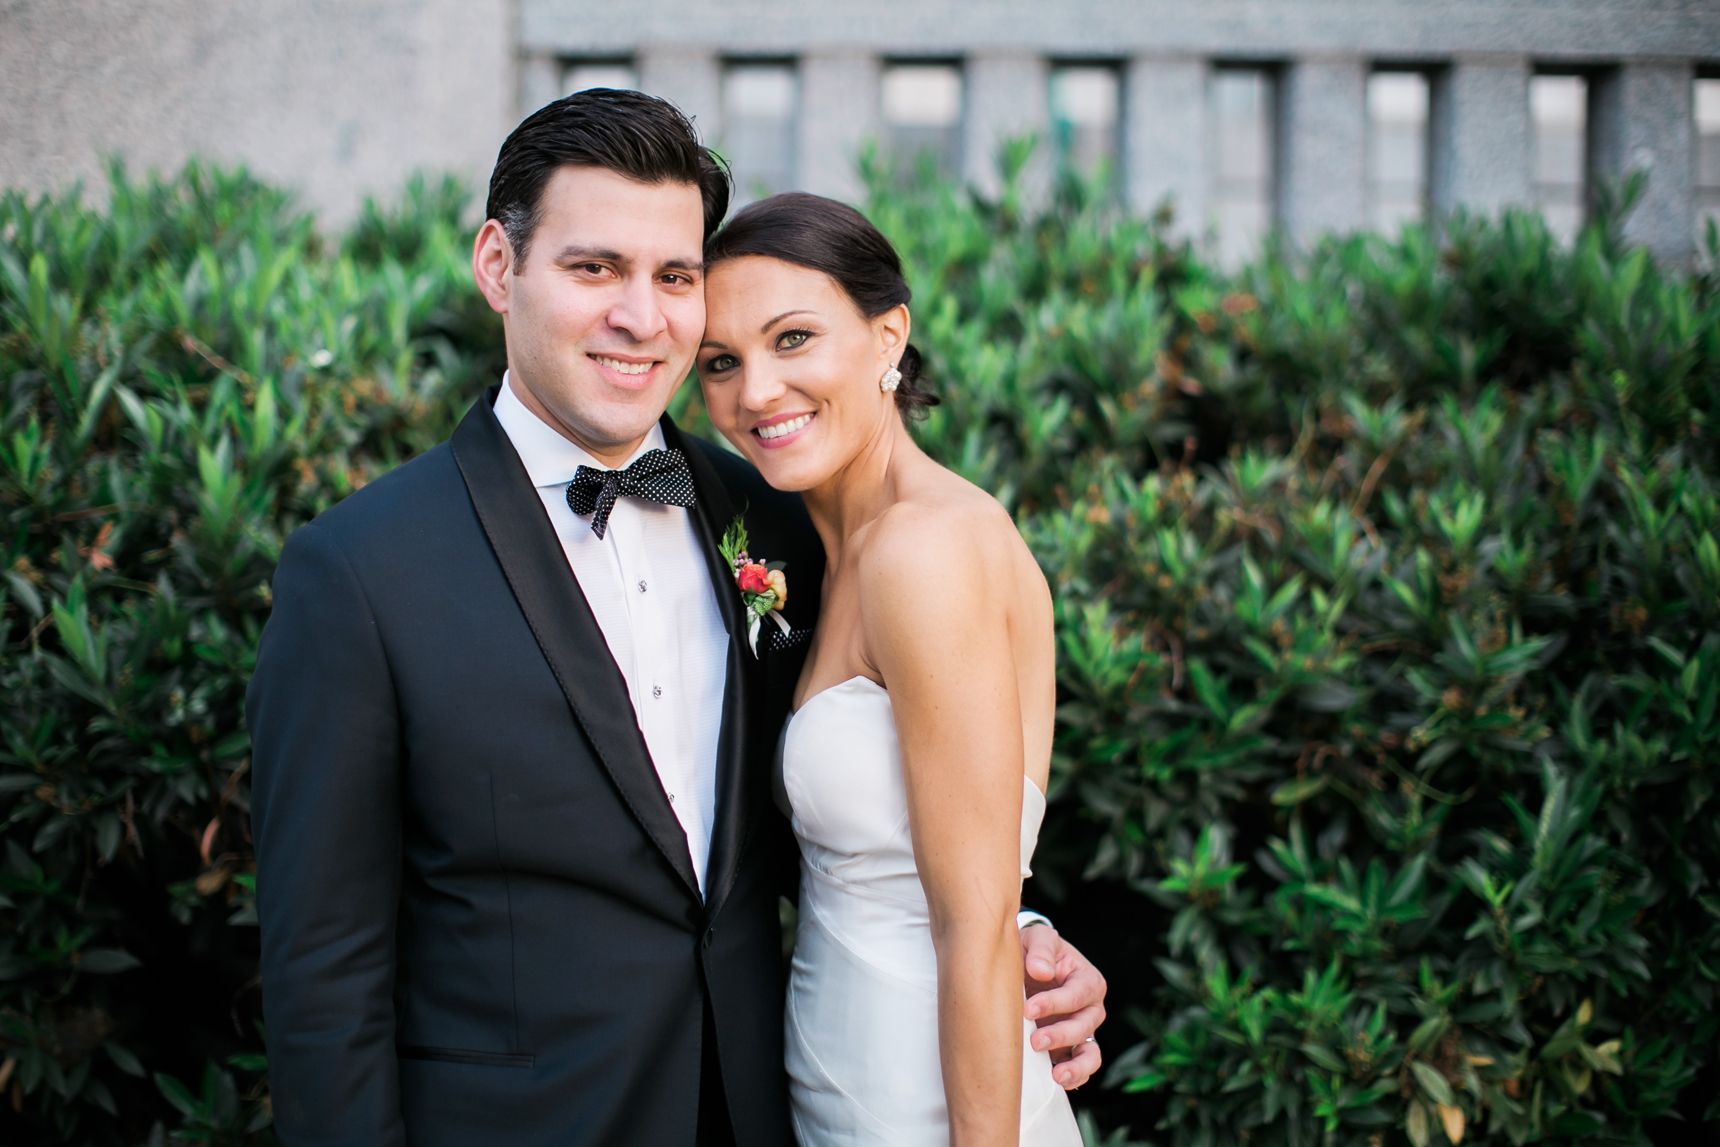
(1299, 789)
(1427, 1033)
(107, 961)
(1327, 696)
(1325, 1057)
(1209, 689)
(1432, 1082)
(176, 1093)
(124, 1059)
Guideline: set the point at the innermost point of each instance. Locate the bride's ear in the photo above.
(891, 329)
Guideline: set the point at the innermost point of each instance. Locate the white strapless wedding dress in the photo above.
(862, 1017)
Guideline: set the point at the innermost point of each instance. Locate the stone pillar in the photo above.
(689, 78)
(1480, 135)
(1642, 118)
(540, 82)
(1165, 134)
(1006, 96)
(1322, 146)
(838, 113)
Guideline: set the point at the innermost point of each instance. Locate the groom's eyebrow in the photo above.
(577, 254)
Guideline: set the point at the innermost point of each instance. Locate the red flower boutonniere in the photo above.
(763, 586)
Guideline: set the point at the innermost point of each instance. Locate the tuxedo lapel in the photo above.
(531, 558)
(735, 774)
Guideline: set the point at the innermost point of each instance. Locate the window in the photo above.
(1707, 159)
(578, 75)
(1240, 105)
(759, 102)
(1397, 149)
(922, 106)
(1085, 116)
(1558, 114)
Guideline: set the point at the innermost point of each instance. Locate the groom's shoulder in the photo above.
(424, 493)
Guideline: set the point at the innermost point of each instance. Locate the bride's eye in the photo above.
(721, 363)
(791, 339)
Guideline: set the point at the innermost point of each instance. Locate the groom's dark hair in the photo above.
(630, 133)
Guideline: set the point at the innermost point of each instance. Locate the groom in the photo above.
(518, 866)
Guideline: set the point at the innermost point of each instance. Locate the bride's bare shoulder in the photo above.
(948, 532)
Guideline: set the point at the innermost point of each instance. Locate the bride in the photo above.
(916, 761)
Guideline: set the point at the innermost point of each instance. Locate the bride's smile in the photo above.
(783, 430)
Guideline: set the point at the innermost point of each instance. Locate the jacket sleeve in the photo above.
(326, 814)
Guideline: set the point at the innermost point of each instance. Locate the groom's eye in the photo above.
(721, 363)
(792, 339)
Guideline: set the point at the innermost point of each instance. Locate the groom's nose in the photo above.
(637, 311)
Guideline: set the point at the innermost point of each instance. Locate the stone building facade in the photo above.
(1243, 114)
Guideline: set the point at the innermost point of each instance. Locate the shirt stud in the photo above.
(656, 690)
(641, 585)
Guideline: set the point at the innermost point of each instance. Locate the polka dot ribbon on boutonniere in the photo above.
(763, 585)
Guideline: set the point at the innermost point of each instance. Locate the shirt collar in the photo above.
(551, 459)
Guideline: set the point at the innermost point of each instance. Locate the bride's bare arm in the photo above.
(936, 629)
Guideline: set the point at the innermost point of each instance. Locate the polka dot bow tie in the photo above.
(659, 475)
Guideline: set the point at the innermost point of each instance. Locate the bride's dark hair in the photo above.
(823, 235)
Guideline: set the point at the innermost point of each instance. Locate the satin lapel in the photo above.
(548, 594)
(736, 776)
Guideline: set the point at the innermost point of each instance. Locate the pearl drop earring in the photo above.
(891, 380)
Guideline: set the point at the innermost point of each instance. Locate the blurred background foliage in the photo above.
(1388, 584)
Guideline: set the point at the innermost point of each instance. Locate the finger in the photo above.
(1083, 1067)
(1039, 953)
(1070, 1031)
(1083, 988)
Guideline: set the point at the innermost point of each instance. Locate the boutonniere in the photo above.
(763, 585)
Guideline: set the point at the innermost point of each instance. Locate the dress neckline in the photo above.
(1032, 787)
(834, 688)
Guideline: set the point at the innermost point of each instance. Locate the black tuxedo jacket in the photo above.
(480, 923)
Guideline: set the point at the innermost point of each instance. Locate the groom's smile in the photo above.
(627, 368)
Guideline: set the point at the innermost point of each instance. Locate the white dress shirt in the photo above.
(649, 588)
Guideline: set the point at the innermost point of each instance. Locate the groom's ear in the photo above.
(493, 264)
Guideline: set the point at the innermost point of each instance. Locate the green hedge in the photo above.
(1389, 594)
(187, 376)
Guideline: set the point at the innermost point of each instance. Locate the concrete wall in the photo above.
(1164, 158)
(337, 98)
(1322, 140)
(1481, 133)
(1551, 29)
(1479, 54)
(1642, 118)
(340, 98)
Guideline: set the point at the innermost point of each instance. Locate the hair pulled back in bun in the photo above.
(823, 235)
